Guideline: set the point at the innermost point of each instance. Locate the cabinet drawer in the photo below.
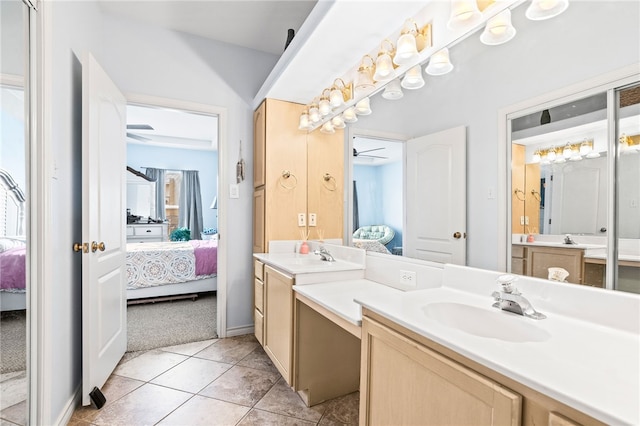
(147, 230)
(258, 270)
(258, 294)
(517, 251)
(259, 323)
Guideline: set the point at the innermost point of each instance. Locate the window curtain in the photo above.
(157, 175)
(190, 215)
(356, 215)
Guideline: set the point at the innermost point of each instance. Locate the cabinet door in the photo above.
(259, 245)
(540, 259)
(278, 320)
(406, 383)
(259, 134)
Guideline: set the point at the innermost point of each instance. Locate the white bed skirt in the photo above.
(196, 286)
(12, 301)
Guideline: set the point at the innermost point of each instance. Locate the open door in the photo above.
(104, 303)
(436, 210)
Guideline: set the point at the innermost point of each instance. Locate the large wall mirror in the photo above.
(575, 189)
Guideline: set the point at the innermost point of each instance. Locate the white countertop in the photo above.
(592, 368)
(338, 296)
(561, 245)
(296, 264)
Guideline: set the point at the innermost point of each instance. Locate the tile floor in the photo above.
(215, 382)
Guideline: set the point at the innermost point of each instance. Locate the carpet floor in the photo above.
(13, 341)
(156, 325)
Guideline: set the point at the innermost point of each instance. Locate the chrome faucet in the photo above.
(569, 240)
(511, 300)
(324, 254)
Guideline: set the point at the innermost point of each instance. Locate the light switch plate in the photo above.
(234, 191)
(302, 219)
(312, 219)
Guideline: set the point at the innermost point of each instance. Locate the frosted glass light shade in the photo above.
(363, 107)
(336, 100)
(327, 128)
(499, 29)
(407, 50)
(349, 115)
(464, 14)
(539, 10)
(439, 64)
(304, 123)
(393, 90)
(314, 114)
(413, 78)
(384, 68)
(324, 107)
(364, 80)
(338, 122)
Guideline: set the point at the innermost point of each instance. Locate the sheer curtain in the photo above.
(158, 176)
(191, 203)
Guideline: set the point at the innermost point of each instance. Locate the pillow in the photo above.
(9, 243)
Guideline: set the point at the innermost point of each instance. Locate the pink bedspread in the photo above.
(12, 269)
(206, 253)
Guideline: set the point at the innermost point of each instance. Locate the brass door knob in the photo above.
(95, 246)
(457, 235)
(83, 247)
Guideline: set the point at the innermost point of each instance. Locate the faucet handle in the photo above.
(506, 282)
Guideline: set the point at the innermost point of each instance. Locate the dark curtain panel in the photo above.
(158, 176)
(356, 216)
(191, 203)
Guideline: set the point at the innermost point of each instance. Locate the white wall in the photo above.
(587, 40)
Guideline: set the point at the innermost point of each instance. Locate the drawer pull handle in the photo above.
(148, 230)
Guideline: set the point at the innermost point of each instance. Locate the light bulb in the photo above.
(349, 115)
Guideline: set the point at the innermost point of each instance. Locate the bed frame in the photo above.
(172, 291)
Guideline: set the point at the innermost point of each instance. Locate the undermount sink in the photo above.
(492, 324)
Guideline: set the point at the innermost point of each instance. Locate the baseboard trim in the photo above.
(70, 407)
(240, 331)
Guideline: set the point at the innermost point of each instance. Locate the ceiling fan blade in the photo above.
(370, 150)
(139, 127)
(137, 137)
(373, 156)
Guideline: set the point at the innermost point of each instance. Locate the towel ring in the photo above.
(327, 178)
(536, 195)
(286, 174)
(519, 191)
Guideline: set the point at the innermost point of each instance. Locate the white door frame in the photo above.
(221, 112)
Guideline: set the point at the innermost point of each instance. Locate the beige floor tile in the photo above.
(4, 422)
(281, 399)
(265, 418)
(16, 414)
(229, 350)
(205, 411)
(241, 385)
(189, 349)
(13, 389)
(342, 410)
(192, 375)
(78, 422)
(146, 405)
(114, 389)
(149, 365)
(258, 359)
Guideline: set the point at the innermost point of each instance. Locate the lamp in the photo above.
(586, 147)
(337, 122)
(464, 14)
(407, 49)
(539, 10)
(327, 128)
(439, 64)
(551, 154)
(340, 93)
(384, 64)
(314, 114)
(566, 152)
(363, 107)
(304, 123)
(324, 108)
(498, 29)
(364, 80)
(393, 90)
(349, 115)
(413, 78)
(536, 157)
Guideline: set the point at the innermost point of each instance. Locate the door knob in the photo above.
(95, 246)
(457, 235)
(84, 247)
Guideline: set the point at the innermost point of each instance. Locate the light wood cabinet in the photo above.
(538, 260)
(278, 320)
(525, 193)
(518, 260)
(258, 300)
(294, 172)
(408, 379)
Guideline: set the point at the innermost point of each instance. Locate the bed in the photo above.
(171, 269)
(13, 245)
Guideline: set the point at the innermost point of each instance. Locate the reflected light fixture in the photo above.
(439, 63)
(551, 154)
(407, 49)
(498, 29)
(567, 152)
(393, 90)
(314, 114)
(327, 128)
(364, 79)
(536, 157)
(337, 122)
(349, 115)
(413, 78)
(324, 107)
(464, 14)
(586, 147)
(539, 10)
(304, 123)
(384, 64)
(363, 107)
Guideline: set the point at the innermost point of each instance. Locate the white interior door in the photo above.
(104, 304)
(436, 187)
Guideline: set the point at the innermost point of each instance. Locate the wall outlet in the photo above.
(408, 278)
(312, 219)
(302, 219)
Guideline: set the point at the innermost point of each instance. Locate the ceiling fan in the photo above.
(362, 153)
(138, 127)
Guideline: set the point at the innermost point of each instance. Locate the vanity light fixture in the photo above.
(340, 93)
(464, 14)
(349, 115)
(304, 123)
(413, 78)
(498, 29)
(384, 64)
(439, 64)
(337, 122)
(363, 107)
(536, 157)
(314, 113)
(539, 10)
(393, 90)
(324, 107)
(327, 128)
(364, 80)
